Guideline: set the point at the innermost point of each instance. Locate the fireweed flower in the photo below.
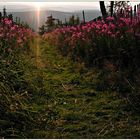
(14, 35)
(94, 32)
(110, 18)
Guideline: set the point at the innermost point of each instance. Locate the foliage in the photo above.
(63, 99)
(53, 23)
(13, 37)
(73, 20)
(15, 111)
(79, 104)
(50, 23)
(112, 45)
(42, 30)
(120, 5)
(113, 7)
(95, 41)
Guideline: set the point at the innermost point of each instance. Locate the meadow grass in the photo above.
(53, 97)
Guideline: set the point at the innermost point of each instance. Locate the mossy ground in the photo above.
(66, 102)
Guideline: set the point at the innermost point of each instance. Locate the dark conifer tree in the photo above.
(4, 12)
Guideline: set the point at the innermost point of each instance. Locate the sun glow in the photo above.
(38, 6)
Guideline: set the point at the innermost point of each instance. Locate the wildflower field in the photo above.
(77, 81)
(97, 40)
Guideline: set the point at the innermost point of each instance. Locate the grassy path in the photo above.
(70, 106)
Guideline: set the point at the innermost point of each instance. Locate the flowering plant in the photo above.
(92, 39)
(13, 36)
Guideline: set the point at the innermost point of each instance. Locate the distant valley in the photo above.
(30, 17)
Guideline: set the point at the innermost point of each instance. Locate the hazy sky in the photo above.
(60, 6)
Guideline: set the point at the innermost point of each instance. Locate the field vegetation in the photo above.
(78, 81)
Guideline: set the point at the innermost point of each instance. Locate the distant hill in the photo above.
(30, 17)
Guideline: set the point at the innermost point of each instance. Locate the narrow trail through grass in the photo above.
(70, 106)
(39, 63)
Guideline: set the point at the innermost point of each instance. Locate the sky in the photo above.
(58, 6)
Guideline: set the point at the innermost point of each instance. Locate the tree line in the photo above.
(17, 20)
(52, 23)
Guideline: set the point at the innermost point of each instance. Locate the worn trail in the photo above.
(70, 105)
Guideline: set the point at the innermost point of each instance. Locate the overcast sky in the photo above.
(59, 6)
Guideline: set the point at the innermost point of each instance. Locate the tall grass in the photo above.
(16, 115)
